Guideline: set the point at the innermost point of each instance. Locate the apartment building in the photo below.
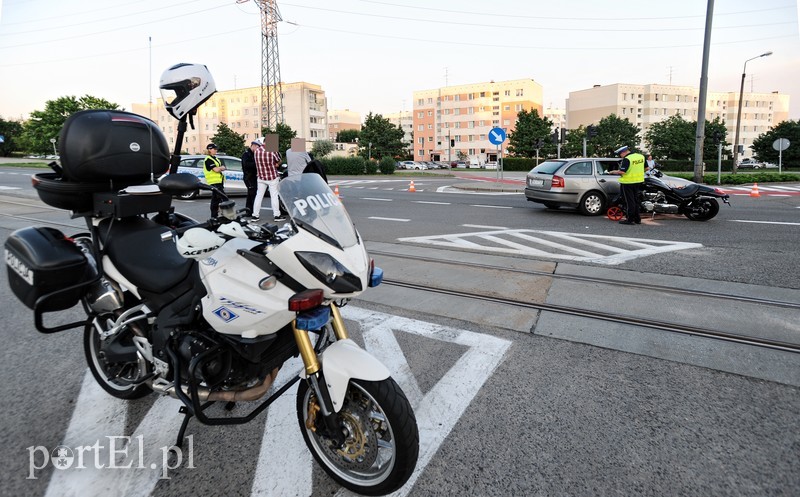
(455, 121)
(644, 105)
(342, 119)
(405, 121)
(558, 116)
(304, 108)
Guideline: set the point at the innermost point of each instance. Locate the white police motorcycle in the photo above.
(210, 312)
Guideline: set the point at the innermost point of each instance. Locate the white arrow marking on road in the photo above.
(97, 416)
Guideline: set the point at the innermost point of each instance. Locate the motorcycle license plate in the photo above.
(537, 182)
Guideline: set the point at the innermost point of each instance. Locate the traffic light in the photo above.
(717, 137)
(563, 135)
(539, 144)
(591, 131)
(452, 143)
(554, 136)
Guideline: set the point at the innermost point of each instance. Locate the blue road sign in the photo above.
(497, 136)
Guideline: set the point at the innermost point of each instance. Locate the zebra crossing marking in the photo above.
(599, 249)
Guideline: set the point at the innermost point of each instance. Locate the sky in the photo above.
(371, 55)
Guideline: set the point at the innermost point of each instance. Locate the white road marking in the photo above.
(764, 222)
(10, 188)
(480, 226)
(432, 203)
(97, 416)
(570, 246)
(378, 199)
(389, 219)
(492, 206)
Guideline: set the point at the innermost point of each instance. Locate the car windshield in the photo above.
(313, 206)
(548, 167)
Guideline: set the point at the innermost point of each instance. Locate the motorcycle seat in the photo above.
(134, 245)
(687, 191)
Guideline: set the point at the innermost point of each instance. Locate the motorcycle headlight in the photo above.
(330, 272)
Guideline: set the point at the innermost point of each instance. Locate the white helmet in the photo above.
(198, 243)
(184, 87)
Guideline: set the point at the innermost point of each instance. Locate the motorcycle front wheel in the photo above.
(703, 209)
(116, 378)
(381, 436)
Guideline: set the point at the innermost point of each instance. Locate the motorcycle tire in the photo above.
(705, 209)
(108, 375)
(382, 439)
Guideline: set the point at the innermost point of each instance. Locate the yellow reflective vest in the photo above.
(635, 171)
(213, 177)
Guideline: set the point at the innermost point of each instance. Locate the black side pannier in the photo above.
(102, 145)
(41, 261)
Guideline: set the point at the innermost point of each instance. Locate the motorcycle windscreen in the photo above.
(312, 205)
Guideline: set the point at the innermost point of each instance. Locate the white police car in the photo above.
(234, 178)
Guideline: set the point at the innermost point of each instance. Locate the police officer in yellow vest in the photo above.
(632, 171)
(213, 169)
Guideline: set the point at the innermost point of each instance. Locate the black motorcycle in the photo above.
(697, 202)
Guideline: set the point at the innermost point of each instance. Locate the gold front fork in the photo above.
(304, 341)
(338, 323)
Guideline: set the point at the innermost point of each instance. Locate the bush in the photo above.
(371, 167)
(387, 165)
(519, 163)
(739, 178)
(344, 166)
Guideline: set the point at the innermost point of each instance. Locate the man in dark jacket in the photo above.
(250, 176)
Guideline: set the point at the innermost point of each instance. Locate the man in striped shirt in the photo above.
(267, 170)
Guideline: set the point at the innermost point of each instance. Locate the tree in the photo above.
(285, 134)
(12, 134)
(228, 141)
(762, 146)
(321, 148)
(573, 147)
(385, 137)
(529, 129)
(612, 133)
(46, 124)
(709, 147)
(672, 138)
(347, 135)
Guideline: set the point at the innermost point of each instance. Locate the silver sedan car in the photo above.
(582, 183)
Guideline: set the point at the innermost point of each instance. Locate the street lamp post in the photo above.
(370, 151)
(53, 141)
(739, 114)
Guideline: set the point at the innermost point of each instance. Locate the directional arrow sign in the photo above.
(497, 136)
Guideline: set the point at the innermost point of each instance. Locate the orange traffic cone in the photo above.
(754, 191)
(411, 187)
(336, 192)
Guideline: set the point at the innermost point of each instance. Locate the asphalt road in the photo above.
(508, 406)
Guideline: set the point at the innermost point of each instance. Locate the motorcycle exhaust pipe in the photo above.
(204, 394)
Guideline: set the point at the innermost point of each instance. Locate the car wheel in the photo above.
(591, 204)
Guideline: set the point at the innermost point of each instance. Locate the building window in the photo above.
(518, 107)
(430, 126)
(421, 127)
(656, 97)
(507, 107)
(420, 101)
(520, 92)
(506, 122)
(507, 93)
(430, 113)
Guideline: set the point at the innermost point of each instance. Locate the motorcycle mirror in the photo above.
(179, 183)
